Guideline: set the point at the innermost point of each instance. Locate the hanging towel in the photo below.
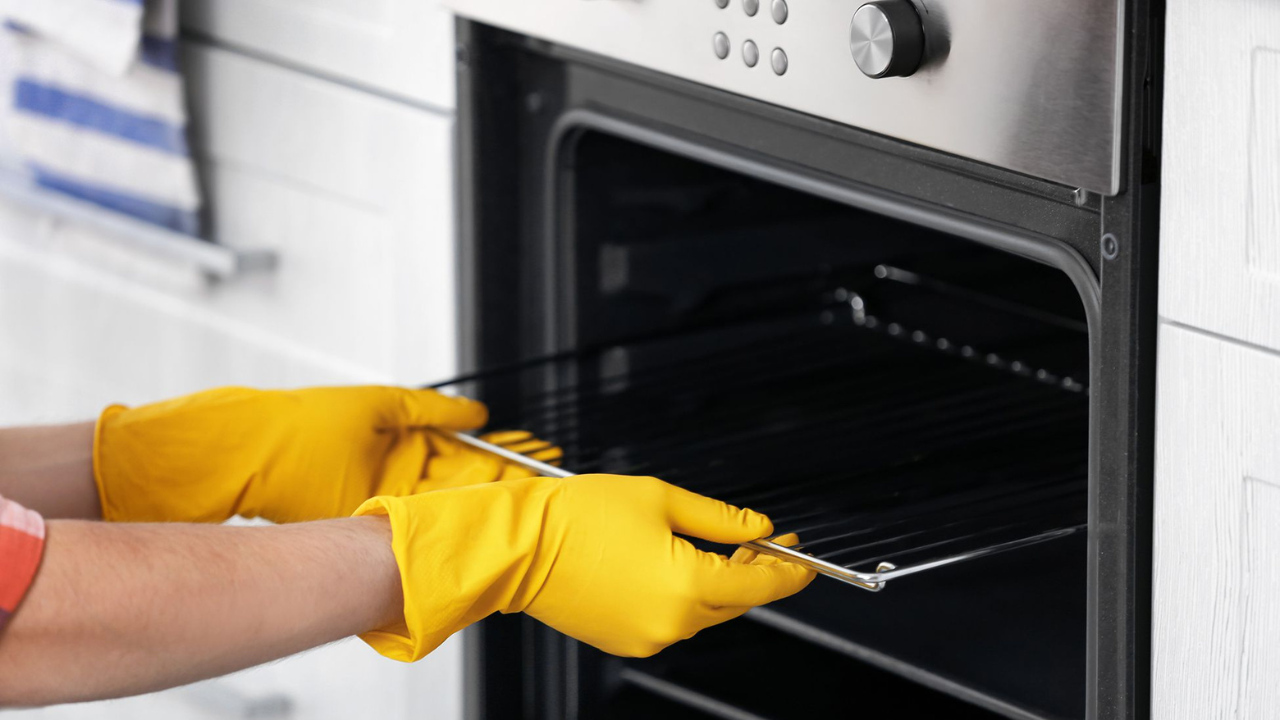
(96, 107)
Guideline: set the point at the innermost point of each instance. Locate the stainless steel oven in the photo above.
(883, 270)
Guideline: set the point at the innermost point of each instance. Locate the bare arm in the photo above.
(125, 609)
(50, 470)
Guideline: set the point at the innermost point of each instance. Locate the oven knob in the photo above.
(886, 38)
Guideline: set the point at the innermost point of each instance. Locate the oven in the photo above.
(888, 278)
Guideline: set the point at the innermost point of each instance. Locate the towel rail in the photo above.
(217, 262)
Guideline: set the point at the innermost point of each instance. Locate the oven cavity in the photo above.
(892, 394)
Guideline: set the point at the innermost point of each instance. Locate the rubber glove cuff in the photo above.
(477, 560)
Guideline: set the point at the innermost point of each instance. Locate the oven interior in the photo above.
(890, 392)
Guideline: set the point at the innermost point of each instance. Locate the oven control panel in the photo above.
(1028, 85)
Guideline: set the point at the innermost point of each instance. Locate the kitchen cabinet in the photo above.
(1220, 231)
(1216, 644)
(1215, 632)
(400, 47)
(350, 183)
(354, 191)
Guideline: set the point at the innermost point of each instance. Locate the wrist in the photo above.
(463, 554)
(386, 594)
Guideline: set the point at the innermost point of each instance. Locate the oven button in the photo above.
(886, 38)
(779, 10)
(779, 61)
(721, 44)
(722, 4)
(751, 7)
(750, 53)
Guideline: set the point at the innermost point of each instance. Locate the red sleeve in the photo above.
(21, 542)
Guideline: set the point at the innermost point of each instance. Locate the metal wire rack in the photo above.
(882, 446)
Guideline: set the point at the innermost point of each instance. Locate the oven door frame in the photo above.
(526, 102)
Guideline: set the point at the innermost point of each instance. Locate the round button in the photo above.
(779, 61)
(750, 53)
(720, 42)
(751, 7)
(886, 38)
(722, 4)
(779, 10)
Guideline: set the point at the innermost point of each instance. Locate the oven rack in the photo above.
(888, 454)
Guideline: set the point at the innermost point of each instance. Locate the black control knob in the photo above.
(887, 38)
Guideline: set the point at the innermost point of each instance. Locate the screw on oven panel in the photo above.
(1110, 247)
(533, 103)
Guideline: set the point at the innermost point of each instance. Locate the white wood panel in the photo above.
(76, 337)
(1220, 231)
(355, 193)
(403, 47)
(1216, 618)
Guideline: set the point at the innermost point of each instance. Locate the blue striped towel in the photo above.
(96, 109)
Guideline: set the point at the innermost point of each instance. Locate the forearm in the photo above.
(50, 470)
(125, 609)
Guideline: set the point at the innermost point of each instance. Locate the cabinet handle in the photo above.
(217, 262)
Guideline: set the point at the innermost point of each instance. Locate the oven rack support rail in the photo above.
(870, 581)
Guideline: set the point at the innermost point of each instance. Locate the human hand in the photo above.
(596, 557)
(284, 455)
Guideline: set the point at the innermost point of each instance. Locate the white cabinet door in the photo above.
(402, 47)
(1220, 231)
(1216, 625)
(355, 193)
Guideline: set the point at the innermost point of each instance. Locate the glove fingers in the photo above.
(428, 408)
(507, 437)
(703, 517)
(515, 472)
(745, 555)
(404, 464)
(527, 444)
(727, 584)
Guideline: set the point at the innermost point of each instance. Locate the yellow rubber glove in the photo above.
(593, 556)
(285, 456)
(452, 464)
